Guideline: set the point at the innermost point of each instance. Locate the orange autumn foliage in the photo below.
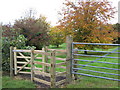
(87, 21)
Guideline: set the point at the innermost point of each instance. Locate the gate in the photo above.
(44, 65)
(103, 65)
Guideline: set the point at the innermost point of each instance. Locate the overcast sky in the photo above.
(14, 9)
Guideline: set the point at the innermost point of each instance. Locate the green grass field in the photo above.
(7, 82)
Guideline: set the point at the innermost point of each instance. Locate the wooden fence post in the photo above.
(11, 62)
(52, 70)
(46, 59)
(43, 59)
(32, 64)
(69, 41)
(15, 61)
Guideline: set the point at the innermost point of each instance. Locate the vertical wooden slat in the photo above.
(11, 62)
(52, 70)
(32, 65)
(15, 61)
(43, 59)
(46, 60)
(69, 41)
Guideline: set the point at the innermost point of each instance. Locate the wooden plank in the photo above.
(23, 57)
(15, 61)
(52, 70)
(42, 81)
(42, 63)
(32, 65)
(11, 62)
(25, 72)
(24, 67)
(60, 73)
(59, 64)
(60, 50)
(38, 58)
(42, 73)
(38, 68)
(60, 82)
(69, 41)
(21, 50)
(62, 67)
(62, 59)
(41, 52)
(21, 62)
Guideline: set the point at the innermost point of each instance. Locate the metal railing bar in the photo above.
(95, 51)
(97, 61)
(97, 71)
(96, 56)
(96, 76)
(96, 67)
(96, 44)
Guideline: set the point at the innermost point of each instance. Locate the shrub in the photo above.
(19, 42)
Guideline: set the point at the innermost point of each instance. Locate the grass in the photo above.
(7, 82)
(91, 82)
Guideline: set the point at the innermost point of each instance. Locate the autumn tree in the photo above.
(87, 21)
(35, 30)
(56, 36)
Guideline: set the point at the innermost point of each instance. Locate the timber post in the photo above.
(11, 62)
(52, 70)
(15, 61)
(43, 60)
(69, 41)
(46, 59)
(32, 64)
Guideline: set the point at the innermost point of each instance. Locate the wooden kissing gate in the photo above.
(43, 62)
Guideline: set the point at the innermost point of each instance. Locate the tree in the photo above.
(117, 28)
(56, 37)
(35, 30)
(87, 21)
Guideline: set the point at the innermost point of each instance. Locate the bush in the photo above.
(19, 42)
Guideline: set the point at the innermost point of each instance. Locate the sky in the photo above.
(10, 10)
